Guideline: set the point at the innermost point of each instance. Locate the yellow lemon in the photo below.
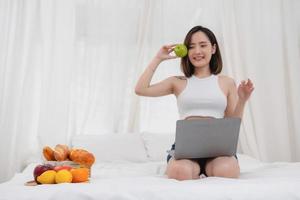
(47, 177)
(63, 176)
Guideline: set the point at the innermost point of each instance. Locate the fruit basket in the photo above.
(63, 165)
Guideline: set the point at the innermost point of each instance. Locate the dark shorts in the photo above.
(201, 161)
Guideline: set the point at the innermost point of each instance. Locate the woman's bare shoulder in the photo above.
(175, 79)
(179, 80)
(226, 80)
(179, 77)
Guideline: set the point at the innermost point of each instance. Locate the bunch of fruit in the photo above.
(49, 174)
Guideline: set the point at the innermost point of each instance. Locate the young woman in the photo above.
(201, 93)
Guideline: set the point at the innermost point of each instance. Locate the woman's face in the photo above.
(200, 50)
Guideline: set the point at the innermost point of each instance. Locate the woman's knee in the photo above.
(227, 167)
(180, 169)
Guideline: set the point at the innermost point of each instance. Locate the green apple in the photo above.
(180, 50)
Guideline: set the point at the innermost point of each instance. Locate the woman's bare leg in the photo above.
(183, 169)
(223, 166)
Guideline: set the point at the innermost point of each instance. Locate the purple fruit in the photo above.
(39, 169)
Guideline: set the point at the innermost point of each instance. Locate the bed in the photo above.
(132, 166)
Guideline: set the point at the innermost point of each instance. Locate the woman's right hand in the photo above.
(164, 52)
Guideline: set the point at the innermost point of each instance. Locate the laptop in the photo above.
(205, 138)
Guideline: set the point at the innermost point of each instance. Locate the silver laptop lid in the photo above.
(203, 138)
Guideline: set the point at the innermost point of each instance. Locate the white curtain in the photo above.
(69, 67)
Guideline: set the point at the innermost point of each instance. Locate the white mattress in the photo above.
(127, 180)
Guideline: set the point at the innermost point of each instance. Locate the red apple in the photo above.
(57, 168)
(39, 169)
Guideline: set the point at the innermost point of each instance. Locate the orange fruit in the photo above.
(80, 174)
(63, 176)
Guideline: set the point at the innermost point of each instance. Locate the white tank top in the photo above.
(202, 97)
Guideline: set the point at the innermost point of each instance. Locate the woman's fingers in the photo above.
(170, 50)
(249, 82)
(247, 85)
(169, 47)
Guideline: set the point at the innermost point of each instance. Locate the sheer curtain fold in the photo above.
(70, 67)
(19, 111)
(291, 60)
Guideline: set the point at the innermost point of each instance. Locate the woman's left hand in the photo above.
(245, 89)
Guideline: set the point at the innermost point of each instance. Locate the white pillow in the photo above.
(113, 147)
(157, 145)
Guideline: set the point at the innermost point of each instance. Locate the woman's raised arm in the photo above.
(165, 87)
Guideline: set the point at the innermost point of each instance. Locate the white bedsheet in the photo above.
(131, 181)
